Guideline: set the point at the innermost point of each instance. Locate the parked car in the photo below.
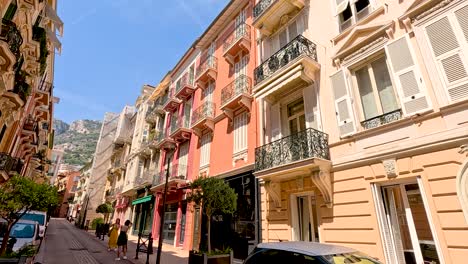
(40, 217)
(306, 253)
(25, 232)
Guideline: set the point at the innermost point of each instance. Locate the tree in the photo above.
(20, 195)
(105, 209)
(215, 196)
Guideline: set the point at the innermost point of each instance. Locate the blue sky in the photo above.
(112, 47)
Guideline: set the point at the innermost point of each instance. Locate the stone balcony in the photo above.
(207, 70)
(186, 87)
(203, 117)
(239, 40)
(237, 94)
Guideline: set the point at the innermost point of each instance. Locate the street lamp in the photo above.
(161, 227)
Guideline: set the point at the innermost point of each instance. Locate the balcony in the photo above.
(237, 41)
(178, 172)
(203, 117)
(6, 165)
(10, 34)
(17, 166)
(30, 124)
(235, 94)
(303, 150)
(172, 102)
(268, 14)
(164, 142)
(154, 112)
(180, 129)
(382, 119)
(206, 71)
(292, 65)
(177, 178)
(145, 179)
(186, 86)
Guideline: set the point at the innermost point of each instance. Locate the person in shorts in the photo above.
(122, 240)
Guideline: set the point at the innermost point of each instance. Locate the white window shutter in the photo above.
(310, 106)
(275, 122)
(449, 57)
(343, 104)
(407, 77)
(462, 18)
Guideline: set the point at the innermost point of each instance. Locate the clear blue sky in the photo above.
(112, 47)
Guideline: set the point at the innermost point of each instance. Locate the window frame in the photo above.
(240, 146)
(354, 14)
(356, 95)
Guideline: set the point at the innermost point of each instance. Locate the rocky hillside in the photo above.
(78, 139)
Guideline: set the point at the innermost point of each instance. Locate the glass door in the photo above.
(170, 221)
(410, 235)
(307, 220)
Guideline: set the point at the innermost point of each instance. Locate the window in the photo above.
(205, 150)
(351, 11)
(2, 133)
(287, 34)
(448, 40)
(240, 132)
(296, 116)
(376, 90)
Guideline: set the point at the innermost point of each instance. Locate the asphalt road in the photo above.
(66, 244)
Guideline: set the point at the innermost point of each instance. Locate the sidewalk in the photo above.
(169, 255)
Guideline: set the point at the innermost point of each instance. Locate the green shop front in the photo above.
(142, 214)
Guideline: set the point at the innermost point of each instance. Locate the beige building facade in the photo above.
(381, 166)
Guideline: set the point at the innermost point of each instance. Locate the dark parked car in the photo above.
(306, 253)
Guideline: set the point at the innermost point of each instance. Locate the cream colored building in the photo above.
(371, 156)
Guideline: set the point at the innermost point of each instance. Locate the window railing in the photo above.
(205, 110)
(6, 162)
(241, 31)
(178, 172)
(261, 6)
(11, 35)
(309, 143)
(382, 119)
(240, 85)
(297, 47)
(186, 80)
(178, 123)
(210, 62)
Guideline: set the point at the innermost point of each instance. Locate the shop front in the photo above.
(143, 208)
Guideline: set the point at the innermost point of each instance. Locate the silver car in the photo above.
(306, 253)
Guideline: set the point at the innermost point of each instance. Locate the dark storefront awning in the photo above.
(142, 199)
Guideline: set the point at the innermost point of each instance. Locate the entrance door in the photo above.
(170, 221)
(409, 232)
(306, 226)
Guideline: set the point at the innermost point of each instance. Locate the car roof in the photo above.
(307, 248)
(21, 221)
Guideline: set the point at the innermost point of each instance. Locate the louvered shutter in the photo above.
(275, 122)
(183, 159)
(407, 77)
(450, 60)
(310, 106)
(342, 104)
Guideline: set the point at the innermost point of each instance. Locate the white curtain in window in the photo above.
(367, 96)
(384, 86)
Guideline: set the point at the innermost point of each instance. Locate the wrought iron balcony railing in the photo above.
(382, 119)
(206, 110)
(178, 172)
(164, 99)
(178, 123)
(17, 166)
(30, 124)
(297, 47)
(309, 143)
(241, 31)
(186, 80)
(240, 85)
(210, 62)
(11, 35)
(261, 6)
(6, 162)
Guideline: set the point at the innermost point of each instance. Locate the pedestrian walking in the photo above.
(123, 239)
(113, 235)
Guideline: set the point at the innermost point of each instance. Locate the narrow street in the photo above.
(64, 243)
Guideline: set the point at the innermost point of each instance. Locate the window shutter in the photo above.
(183, 159)
(240, 132)
(407, 77)
(310, 107)
(275, 122)
(448, 53)
(292, 29)
(283, 39)
(342, 104)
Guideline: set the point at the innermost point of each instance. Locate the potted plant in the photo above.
(215, 197)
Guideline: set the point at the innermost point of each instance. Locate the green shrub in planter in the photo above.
(96, 221)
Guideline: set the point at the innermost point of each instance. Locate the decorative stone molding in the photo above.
(9, 80)
(431, 10)
(463, 149)
(322, 179)
(9, 111)
(377, 42)
(390, 167)
(300, 183)
(274, 191)
(462, 187)
(239, 156)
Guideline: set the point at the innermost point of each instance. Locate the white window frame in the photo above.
(353, 19)
(240, 133)
(294, 215)
(356, 94)
(275, 37)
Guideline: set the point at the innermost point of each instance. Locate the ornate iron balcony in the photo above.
(309, 143)
(382, 119)
(261, 6)
(186, 80)
(178, 123)
(11, 35)
(297, 47)
(210, 62)
(178, 172)
(6, 162)
(206, 110)
(241, 31)
(240, 85)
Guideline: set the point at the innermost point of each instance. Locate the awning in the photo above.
(53, 38)
(142, 199)
(52, 15)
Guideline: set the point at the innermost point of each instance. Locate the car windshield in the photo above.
(40, 218)
(22, 230)
(355, 258)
